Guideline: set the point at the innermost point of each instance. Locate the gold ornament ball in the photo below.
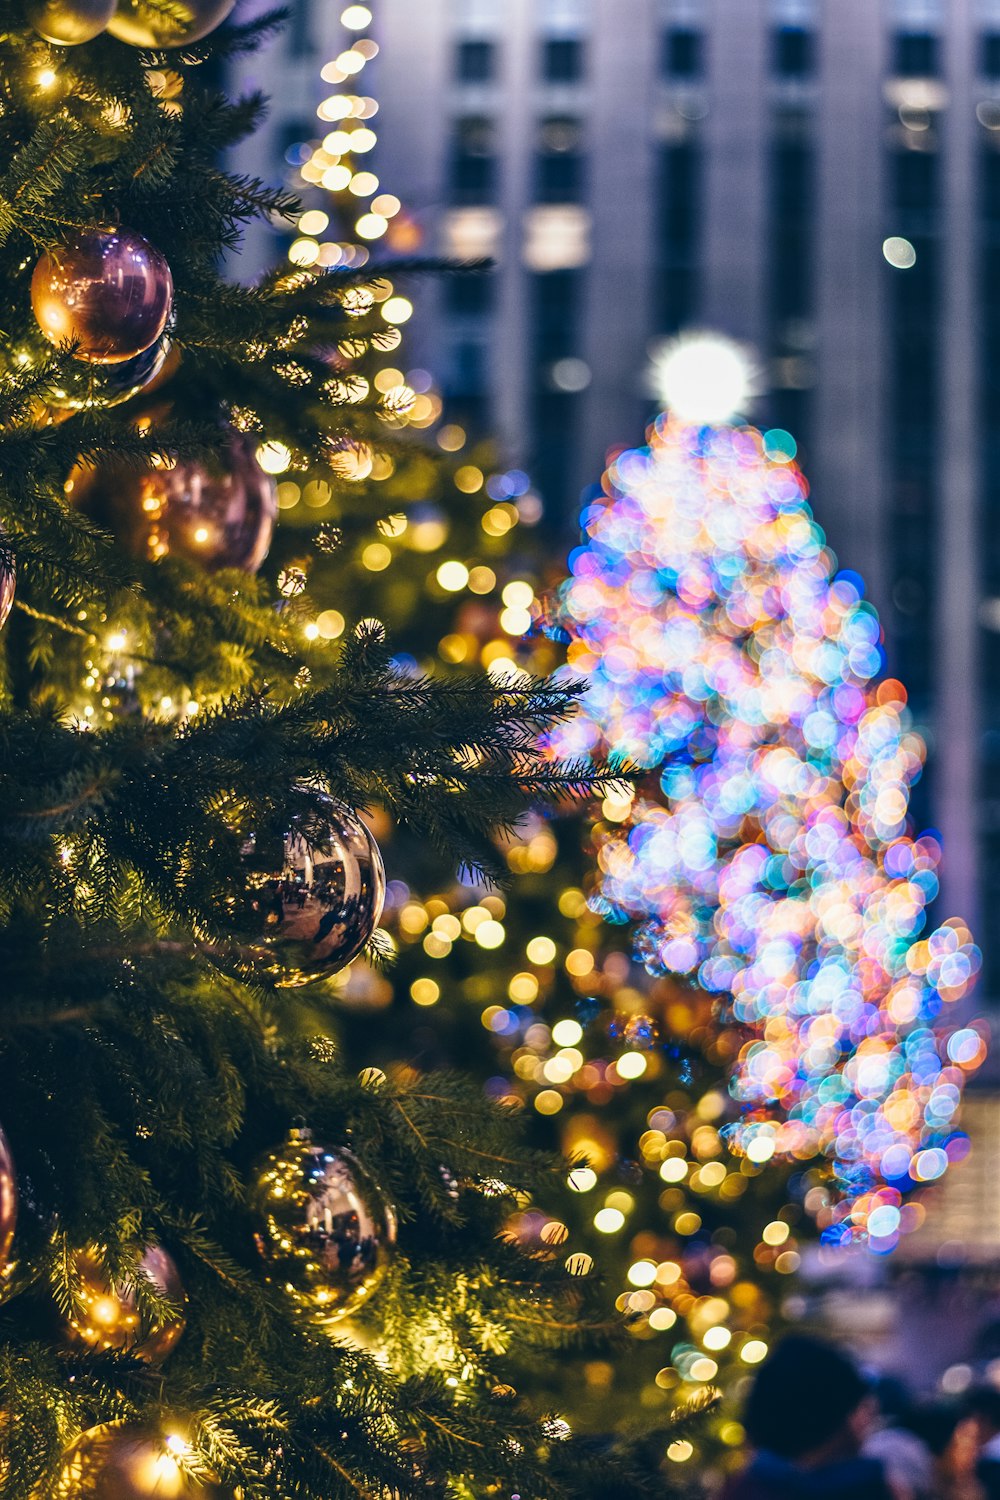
(107, 1314)
(189, 21)
(123, 1461)
(220, 520)
(315, 895)
(8, 1208)
(108, 291)
(325, 1231)
(68, 23)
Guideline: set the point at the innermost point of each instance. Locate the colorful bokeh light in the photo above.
(774, 866)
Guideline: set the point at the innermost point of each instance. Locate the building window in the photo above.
(683, 53)
(475, 61)
(559, 161)
(678, 236)
(562, 59)
(469, 296)
(473, 161)
(472, 233)
(465, 375)
(916, 55)
(794, 52)
(298, 33)
(556, 237)
(990, 55)
(555, 317)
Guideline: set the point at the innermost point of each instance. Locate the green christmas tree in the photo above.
(230, 1263)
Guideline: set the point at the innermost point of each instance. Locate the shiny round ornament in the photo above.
(143, 26)
(68, 23)
(8, 1208)
(326, 1233)
(125, 1461)
(7, 583)
(316, 895)
(219, 520)
(87, 386)
(107, 1315)
(641, 1032)
(108, 291)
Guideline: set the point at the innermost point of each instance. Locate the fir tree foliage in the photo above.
(144, 1062)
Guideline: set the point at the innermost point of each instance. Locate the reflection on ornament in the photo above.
(87, 385)
(8, 1207)
(108, 291)
(318, 896)
(189, 20)
(124, 1461)
(7, 583)
(106, 1315)
(220, 521)
(326, 1232)
(67, 23)
(641, 1032)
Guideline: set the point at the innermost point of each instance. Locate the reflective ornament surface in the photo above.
(316, 894)
(107, 1315)
(7, 584)
(326, 1233)
(70, 22)
(86, 385)
(123, 1461)
(109, 291)
(189, 21)
(219, 520)
(8, 1208)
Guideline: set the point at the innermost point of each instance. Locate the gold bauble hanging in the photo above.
(106, 1314)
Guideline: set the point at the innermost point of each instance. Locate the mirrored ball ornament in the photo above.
(83, 386)
(8, 1209)
(108, 291)
(325, 1230)
(220, 520)
(189, 20)
(68, 23)
(316, 894)
(107, 1315)
(125, 1461)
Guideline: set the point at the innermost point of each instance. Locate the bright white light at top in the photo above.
(703, 378)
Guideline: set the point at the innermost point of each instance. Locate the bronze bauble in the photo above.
(107, 1314)
(8, 1204)
(316, 894)
(108, 291)
(137, 24)
(326, 1232)
(123, 1461)
(219, 520)
(68, 23)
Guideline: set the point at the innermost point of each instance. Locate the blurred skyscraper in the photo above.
(818, 178)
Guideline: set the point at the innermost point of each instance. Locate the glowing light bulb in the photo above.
(703, 378)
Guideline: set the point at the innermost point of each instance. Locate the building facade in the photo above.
(819, 179)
